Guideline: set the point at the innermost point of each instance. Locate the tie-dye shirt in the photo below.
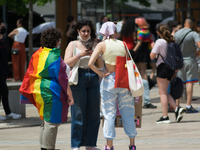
(144, 36)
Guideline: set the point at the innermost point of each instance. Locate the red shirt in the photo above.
(129, 41)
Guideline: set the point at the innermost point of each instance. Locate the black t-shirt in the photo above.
(3, 57)
(69, 38)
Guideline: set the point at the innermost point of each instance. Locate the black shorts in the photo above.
(164, 72)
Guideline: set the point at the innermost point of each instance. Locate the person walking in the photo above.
(85, 112)
(18, 50)
(111, 48)
(164, 75)
(3, 76)
(189, 72)
(45, 85)
(128, 35)
(143, 46)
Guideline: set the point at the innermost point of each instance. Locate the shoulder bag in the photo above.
(73, 78)
(131, 78)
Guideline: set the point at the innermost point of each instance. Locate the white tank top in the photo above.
(21, 36)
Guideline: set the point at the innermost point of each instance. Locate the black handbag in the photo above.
(15, 51)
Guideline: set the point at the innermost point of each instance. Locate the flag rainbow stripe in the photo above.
(45, 85)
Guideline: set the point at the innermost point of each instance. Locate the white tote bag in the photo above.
(73, 78)
(135, 80)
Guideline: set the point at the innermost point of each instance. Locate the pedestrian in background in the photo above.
(98, 27)
(164, 75)
(46, 86)
(189, 72)
(3, 75)
(111, 48)
(143, 46)
(71, 23)
(85, 112)
(128, 35)
(18, 50)
(174, 26)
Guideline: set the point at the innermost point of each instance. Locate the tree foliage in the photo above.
(20, 6)
(146, 2)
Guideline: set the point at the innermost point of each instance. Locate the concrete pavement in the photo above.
(23, 134)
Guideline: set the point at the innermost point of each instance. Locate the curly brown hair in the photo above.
(79, 25)
(164, 31)
(50, 37)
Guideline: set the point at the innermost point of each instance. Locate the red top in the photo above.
(129, 42)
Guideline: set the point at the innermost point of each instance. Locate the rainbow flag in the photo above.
(45, 85)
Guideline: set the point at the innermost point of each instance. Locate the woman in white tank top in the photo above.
(85, 112)
(18, 50)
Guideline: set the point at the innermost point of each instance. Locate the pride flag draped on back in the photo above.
(45, 85)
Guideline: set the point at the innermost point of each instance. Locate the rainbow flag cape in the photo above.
(45, 85)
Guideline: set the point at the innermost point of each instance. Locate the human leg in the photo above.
(189, 90)
(48, 134)
(146, 97)
(108, 105)
(127, 110)
(93, 109)
(4, 94)
(78, 116)
(142, 69)
(153, 70)
(163, 84)
(79, 110)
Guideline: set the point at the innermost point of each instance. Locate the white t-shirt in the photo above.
(160, 47)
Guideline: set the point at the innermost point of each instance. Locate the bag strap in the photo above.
(161, 57)
(184, 37)
(74, 48)
(127, 51)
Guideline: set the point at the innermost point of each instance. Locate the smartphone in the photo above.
(89, 47)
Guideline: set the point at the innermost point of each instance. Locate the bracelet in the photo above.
(78, 55)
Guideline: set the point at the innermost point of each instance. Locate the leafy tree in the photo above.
(20, 7)
(146, 2)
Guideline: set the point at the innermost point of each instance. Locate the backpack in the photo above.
(174, 59)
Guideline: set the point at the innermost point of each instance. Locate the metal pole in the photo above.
(104, 6)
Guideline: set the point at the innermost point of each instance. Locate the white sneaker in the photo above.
(2, 118)
(13, 116)
(76, 148)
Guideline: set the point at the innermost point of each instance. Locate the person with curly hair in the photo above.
(45, 85)
(164, 75)
(85, 111)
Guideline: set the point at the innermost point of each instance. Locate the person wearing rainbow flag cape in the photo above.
(45, 85)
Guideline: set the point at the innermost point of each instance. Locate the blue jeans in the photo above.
(85, 117)
(146, 98)
(125, 102)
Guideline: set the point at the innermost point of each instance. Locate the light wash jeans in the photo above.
(146, 98)
(125, 101)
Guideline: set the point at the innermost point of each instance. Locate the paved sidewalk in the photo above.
(23, 134)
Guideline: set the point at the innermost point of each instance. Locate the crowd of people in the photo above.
(89, 87)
